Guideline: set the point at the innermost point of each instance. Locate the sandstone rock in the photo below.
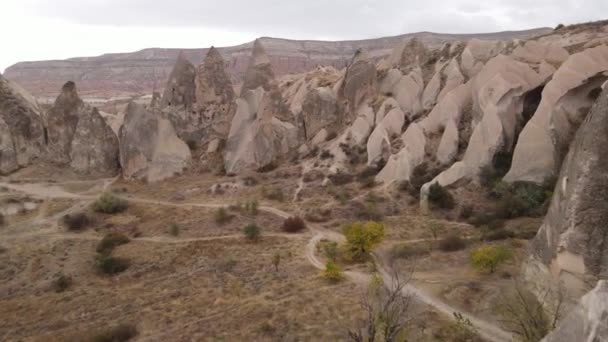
(320, 110)
(408, 92)
(453, 78)
(448, 146)
(21, 129)
(94, 147)
(179, 92)
(386, 106)
(587, 321)
(565, 102)
(401, 165)
(572, 244)
(388, 83)
(259, 73)
(149, 147)
(535, 52)
(477, 53)
(431, 92)
(450, 108)
(360, 81)
(411, 53)
(61, 121)
(379, 142)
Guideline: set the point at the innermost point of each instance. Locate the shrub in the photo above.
(452, 243)
(367, 173)
(406, 251)
(325, 154)
(369, 211)
(268, 167)
(276, 260)
(462, 330)
(440, 196)
(497, 235)
(421, 175)
(252, 232)
(110, 265)
(332, 272)
(488, 258)
(276, 194)
(480, 219)
(109, 204)
(466, 212)
(62, 283)
(362, 237)
(119, 333)
(341, 178)
(174, 229)
(222, 216)
(331, 250)
(318, 215)
(520, 199)
(434, 227)
(559, 26)
(75, 222)
(251, 207)
(293, 224)
(111, 241)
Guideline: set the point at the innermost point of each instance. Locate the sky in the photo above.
(33, 30)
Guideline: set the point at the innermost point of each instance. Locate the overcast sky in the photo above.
(58, 29)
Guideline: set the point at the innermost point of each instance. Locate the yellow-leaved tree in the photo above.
(362, 237)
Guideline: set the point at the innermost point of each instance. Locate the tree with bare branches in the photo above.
(387, 311)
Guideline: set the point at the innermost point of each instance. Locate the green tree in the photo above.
(362, 237)
(332, 272)
(276, 260)
(488, 258)
(252, 232)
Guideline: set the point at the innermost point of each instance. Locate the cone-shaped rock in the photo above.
(21, 129)
(259, 73)
(94, 147)
(180, 88)
(360, 81)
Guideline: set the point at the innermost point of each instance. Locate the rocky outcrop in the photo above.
(94, 147)
(565, 101)
(572, 244)
(21, 129)
(360, 82)
(587, 321)
(150, 149)
(202, 106)
(320, 110)
(263, 129)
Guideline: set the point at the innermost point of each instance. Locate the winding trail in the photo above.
(487, 330)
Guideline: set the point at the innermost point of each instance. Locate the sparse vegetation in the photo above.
(440, 196)
(62, 283)
(110, 265)
(119, 333)
(332, 272)
(434, 227)
(174, 229)
(341, 178)
(452, 243)
(111, 241)
(222, 216)
(252, 232)
(520, 199)
(276, 260)
(488, 258)
(110, 204)
(275, 194)
(293, 224)
(251, 207)
(331, 250)
(75, 222)
(362, 237)
(462, 330)
(407, 251)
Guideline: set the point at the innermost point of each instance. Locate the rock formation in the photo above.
(179, 92)
(149, 147)
(572, 244)
(21, 129)
(263, 129)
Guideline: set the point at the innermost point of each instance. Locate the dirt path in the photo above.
(485, 329)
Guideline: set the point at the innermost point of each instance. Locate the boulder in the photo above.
(204, 106)
(150, 149)
(21, 129)
(94, 148)
(572, 244)
(565, 101)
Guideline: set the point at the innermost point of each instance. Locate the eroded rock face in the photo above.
(149, 147)
(360, 82)
(263, 129)
(572, 244)
(565, 101)
(203, 105)
(21, 129)
(320, 110)
(94, 148)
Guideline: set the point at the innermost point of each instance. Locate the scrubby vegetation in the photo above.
(332, 272)
(174, 229)
(222, 216)
(293, 224)
(462, 330)
(331, 251)
(440, 196)
(452, 243)
(341, 178)
(75, 222)
(407, 251)
(110, 265)
(362, 237)
(488, 258)
(110, 204)
(119, 333)
(62, 283)
(520, 199)
(274, 194)
(252, 232)
(111, 241)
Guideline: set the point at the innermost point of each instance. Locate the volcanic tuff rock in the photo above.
(149, 147)
(263, 129)
(61, 121)
(572, 244)
(201, 106)
(21, 129)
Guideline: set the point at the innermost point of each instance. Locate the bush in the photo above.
(488, 258)
(62, 283)
(452, 243)
(174, 229)
(110, 265)
(109, 204)
(293, 225)
(331, 250)
(252, 232)
(362, 237)
(465, 212)
(520, 199)
(119, 333)
(325, 154)
(332, 272)
(480, 219)
(276, 194)
(251, 207)
(462, 330)
(222, 216)
(111, 241)
(341, 178)
(497, 235)
(406, 251)
(440, 196)
(421, 175)
(268, 167)
(559, 26)
(75, 222)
